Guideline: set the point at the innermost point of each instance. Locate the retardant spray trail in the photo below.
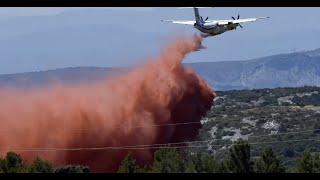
(116, 112)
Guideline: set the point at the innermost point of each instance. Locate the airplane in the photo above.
(213, 27)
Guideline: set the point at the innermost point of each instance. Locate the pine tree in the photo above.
(168, 160)
(13, 164)
(128, 165)
(40, 166)
(204, 163)
(269, 163)
(239, 160)
(304, 163)
(316, 163)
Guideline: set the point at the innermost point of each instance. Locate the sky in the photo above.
(288, 30)
(34, 11)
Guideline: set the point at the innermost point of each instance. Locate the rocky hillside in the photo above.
(285, 118)
(284, 70)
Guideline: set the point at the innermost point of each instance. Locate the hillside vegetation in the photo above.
(246, 131)
(287, 119)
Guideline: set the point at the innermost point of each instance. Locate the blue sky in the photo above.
(23, 33)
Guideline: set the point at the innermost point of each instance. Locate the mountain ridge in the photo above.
(281, 70)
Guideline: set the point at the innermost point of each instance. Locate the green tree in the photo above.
(72, 169)
(204, 163)
(13, 163)
(223, 167)
(129, 165)
(304, 163)
(168, 160)
(316, 163)
(239, 160)
(40, 166)
(190, 168)
(269, 163)
(2, 165)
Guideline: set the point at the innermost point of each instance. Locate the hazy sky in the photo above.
(288, 30)
(34, 11)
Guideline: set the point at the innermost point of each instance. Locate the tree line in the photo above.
(168, 159)
(171, 160)
(13, 163)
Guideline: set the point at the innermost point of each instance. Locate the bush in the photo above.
(40, 166)
(72, 169)
(13, 164)
(168, 160)
(129, 165)
(289, 153)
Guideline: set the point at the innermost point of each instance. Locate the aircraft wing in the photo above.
(236, 21)
(219, 22)
(180, 22)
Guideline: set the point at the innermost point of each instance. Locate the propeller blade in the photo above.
(206, 18)
(238, 16)
(201, 18)
(233, 18)
(240, 25)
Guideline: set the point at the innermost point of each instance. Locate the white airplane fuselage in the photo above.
(209, 29)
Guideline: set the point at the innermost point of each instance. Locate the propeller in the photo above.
(235, 19)
(202, 18)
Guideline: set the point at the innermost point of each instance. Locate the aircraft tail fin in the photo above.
(197, 16)
(199, 19)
